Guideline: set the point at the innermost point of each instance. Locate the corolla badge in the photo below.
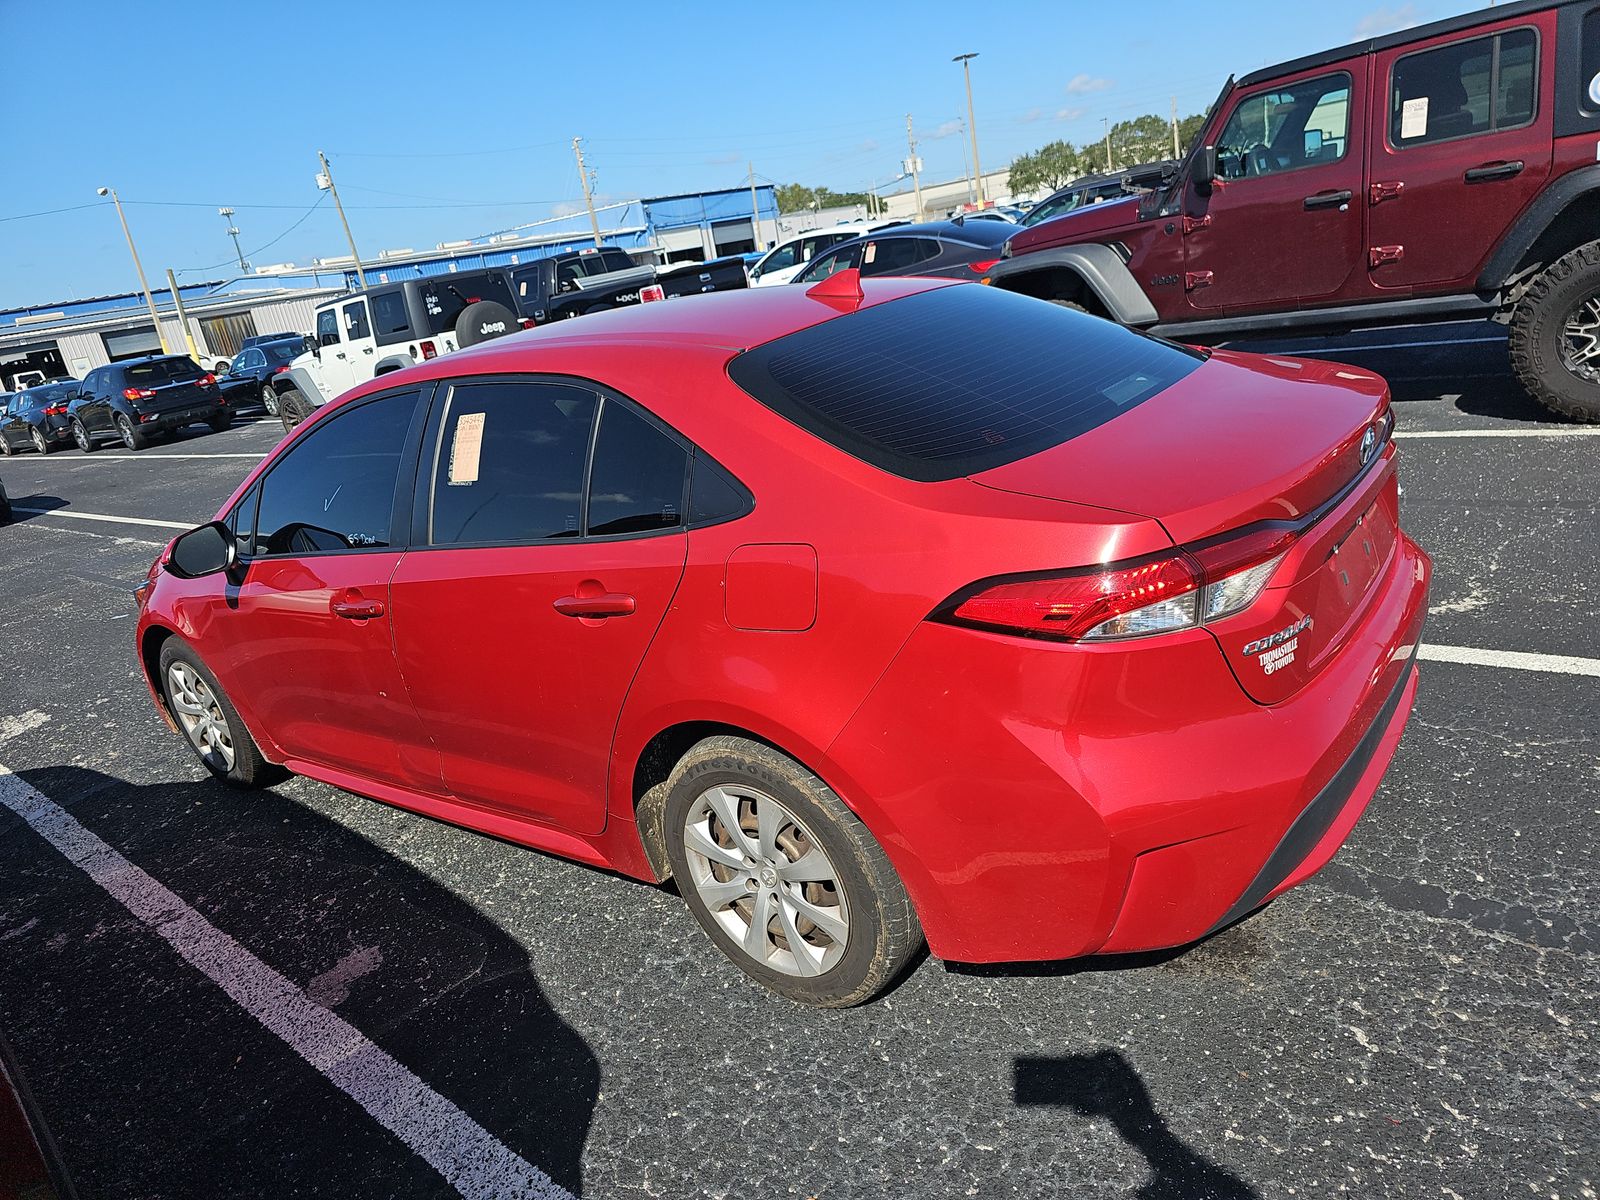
(1277, 650)
(1369, 443)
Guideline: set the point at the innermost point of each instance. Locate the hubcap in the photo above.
(126, 428)
(1580, 341)
(767, 880)
(195, 705)
(38, 441)
(80, 435)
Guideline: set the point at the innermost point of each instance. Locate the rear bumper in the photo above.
(195, 414)
(1043, 801)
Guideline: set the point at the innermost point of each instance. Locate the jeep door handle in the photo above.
(366, 349)
(1328, 199)
(609, 604)
(1490, 171)
(338, 353)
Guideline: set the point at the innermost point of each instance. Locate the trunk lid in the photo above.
(1243, 440)
(173, 385)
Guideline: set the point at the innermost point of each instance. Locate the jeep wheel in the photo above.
(1555, 335)
(292, 408)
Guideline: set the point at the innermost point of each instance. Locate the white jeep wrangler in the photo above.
(383, 329)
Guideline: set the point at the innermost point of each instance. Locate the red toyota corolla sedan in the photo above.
(934, 611)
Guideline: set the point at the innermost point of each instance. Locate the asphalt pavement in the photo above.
(300, 992)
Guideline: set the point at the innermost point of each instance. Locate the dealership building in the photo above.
(72, 337)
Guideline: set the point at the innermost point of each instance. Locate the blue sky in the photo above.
(441, 129)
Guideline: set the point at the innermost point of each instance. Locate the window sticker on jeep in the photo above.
(466, 449)
(1414, 118)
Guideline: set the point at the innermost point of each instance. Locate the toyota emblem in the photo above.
(1369, 443)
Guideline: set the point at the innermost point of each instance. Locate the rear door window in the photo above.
(509, 463)
(1464, 89)
(356, 325)
(957, 380)
(334, 490)
(783, 256)
(638, 478)
(834, 261)
(891, 256)
(1589, 70)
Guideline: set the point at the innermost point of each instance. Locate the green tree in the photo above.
(1047, 168)
(1141, 140)
(797, 197)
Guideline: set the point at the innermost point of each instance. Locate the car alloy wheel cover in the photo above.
(195, 705)
(125, 428)
(766, 880)
(38, 442)
(269, 401)
(80, 435)
(1580, 340)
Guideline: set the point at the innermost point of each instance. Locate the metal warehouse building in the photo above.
(73, 337)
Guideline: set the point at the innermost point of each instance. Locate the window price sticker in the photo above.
(1414, 118)
(466, 448)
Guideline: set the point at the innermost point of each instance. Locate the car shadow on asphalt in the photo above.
(1105, 1085)
(133, 1054)
(31, 508)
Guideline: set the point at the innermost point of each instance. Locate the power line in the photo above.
(50, 212)
(303, 218)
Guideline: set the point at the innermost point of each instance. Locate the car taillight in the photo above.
(429, 351)
(58, 410)
(978, 268)
(653, 291)
(208, 380)
(524, 322)
(137, 393)
(1177, 589)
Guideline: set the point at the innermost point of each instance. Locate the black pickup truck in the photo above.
(578, 282)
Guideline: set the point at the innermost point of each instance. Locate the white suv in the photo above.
(383, 329)
(789, 257)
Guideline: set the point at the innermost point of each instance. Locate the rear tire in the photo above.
(40, 443)
(84, 439)
(1555, 335)
(219, 424)
(207, 718)
(5, 446)
(269, 400)
(292, 408)
(131, 437)
(798, 854)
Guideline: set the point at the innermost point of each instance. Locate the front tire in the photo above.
(1555, 335)
(783, 877)
(220, 424)
(201, 709)
(292, 408)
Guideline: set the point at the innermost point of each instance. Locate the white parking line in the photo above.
(1515, 660)
(88, 516)
(1585, 431)
(135, 458)
(471, 1159)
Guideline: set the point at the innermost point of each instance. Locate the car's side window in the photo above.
(241, 521)
(1286, 128)
(783, 256)
(356, 325)
(509, 464)
(390, 317)
(334, 489)
(637, 480)
(1465, 88)
(896, 254)
(1589, 67)
(328, 327)
(834, 261)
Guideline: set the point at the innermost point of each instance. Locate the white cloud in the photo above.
(948, 129)
(1388, 20)
(1032, 115)
(1069, 114)
(1081, 84)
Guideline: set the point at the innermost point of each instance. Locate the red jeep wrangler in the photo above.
(1436, 174)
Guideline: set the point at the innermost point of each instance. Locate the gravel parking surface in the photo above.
(1421, 1019)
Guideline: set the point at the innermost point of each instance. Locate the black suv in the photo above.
(1097, 189)
(37, 417)
(139, 398)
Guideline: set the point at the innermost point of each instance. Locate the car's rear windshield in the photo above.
(161, 370)
(49, 393)
(958, 380)
(444, 298)
(282, 352)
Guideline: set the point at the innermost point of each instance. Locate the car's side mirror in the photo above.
(205, 550)
(310, 345)
(1204, 172)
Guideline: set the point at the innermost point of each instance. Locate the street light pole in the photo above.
(914, 165)
(972, 125)
(227, 215)
(144, 284)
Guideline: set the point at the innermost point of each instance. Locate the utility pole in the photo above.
(183, 317)
(972, 125)
(914, 165)
(227, 215)
(588, 196)
(1175, 151)
(755, 208)
(144, 284)
(325, 182)
(1106, 121)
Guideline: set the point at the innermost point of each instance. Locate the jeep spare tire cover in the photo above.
(483, 321)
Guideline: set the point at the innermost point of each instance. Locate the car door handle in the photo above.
(608, 604)
(338, 353)
(353, 606)
(1328, 199)
(1490, 171)
(366, 349)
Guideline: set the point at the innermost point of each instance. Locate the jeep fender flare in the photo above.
(394, 362)
(1099, 268)
(300, 379)
(1537, 220)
